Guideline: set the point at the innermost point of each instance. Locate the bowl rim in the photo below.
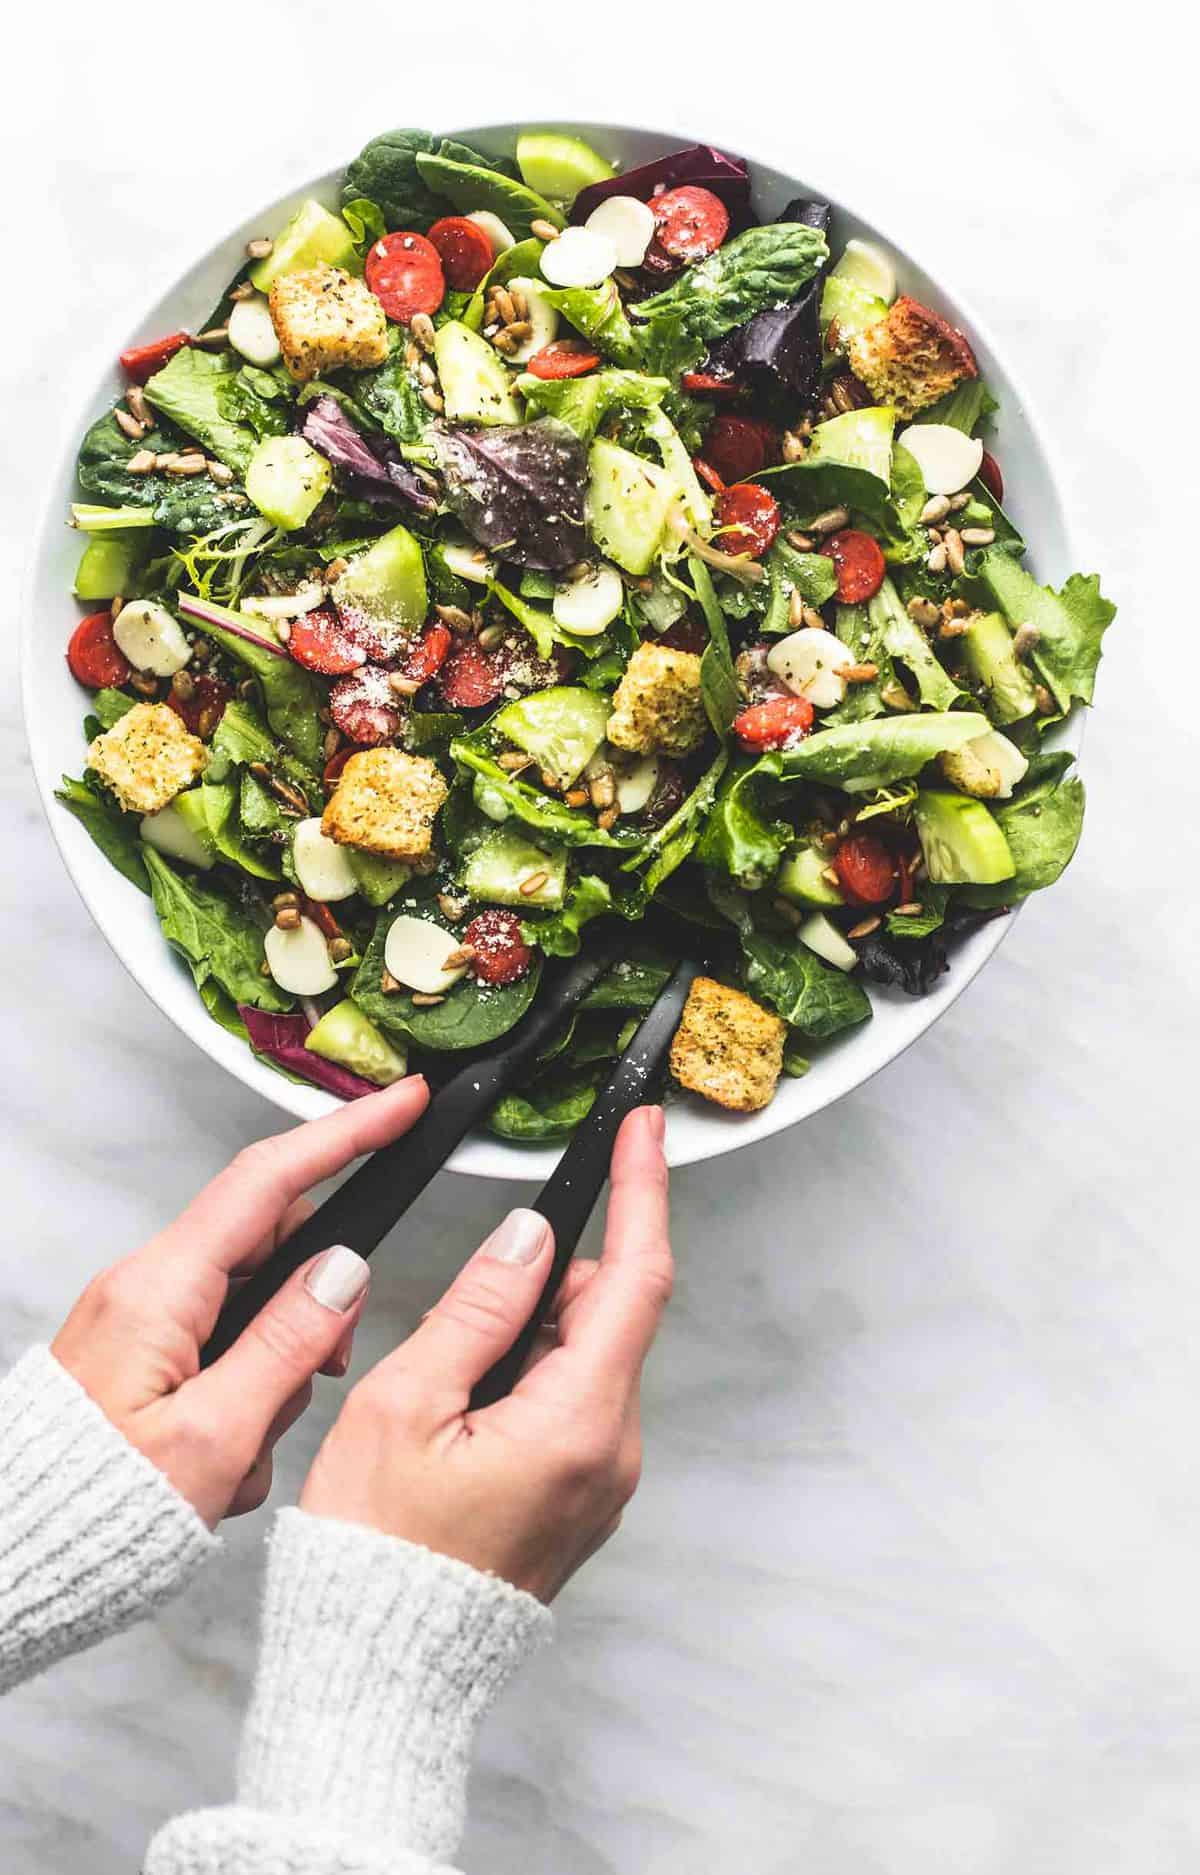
(480, 1156)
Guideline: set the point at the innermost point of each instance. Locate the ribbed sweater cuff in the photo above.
(92, 1536)
(378, 1660)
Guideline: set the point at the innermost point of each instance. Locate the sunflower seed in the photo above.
(129, 426)
(603, 790)
(792, 447)
(959, 502)
(459, 959)
(432, 401)
(135, 397)
(141, 462)
(543, 230)
(490, 637)
(607, 820)
(259, 248)
(214, 340)
(455, 617)
(451, 908)
(389, 984)
(1045, 701)
(865, 928)
(243, 290)
(956, 558)
(796, 608)
(935, 559)
(513, 761)
(912, 909)
(1026, 637)
(426, 373)
(421, 1001)
(813, 619)
(978, 536)
(422, 328)
(800, 542)
(935, 509)
(576, 797)
(533, 882)
(830, 521)
(221, 473)
(923, 612)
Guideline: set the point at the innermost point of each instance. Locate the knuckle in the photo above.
(113, 1290)
(283, 1338)
(658, 1279)
(262, 1159)
(478, 1306)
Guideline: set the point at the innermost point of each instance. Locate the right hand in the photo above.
(528, 1488)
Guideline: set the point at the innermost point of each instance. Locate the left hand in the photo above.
(133, 1339)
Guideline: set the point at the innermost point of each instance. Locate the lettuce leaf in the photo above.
(116, 834)
(470, 186)
(558, 934)
(1042, 825)
(518, 488)
(188, 391)
(810, 995)
(757, 269)
(1071, 624)
(862, 756)
(738, 839)
(218, 938)
(583, 403)
(597, 312)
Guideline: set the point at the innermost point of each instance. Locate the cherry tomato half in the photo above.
(501, 953)
(93, 654)
(866, 869)
(142, 361)
(565, 358)
(775, 724)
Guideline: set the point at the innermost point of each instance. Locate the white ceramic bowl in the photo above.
(55, 705)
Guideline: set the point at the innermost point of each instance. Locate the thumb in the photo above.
(287, 1342)
(486, 1307)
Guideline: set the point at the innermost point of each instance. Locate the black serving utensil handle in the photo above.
(363, 1209)
(567, 1198)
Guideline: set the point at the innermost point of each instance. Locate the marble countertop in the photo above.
(910, 1582)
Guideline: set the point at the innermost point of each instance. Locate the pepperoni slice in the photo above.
(776, 724)
(690, 222)
(465, 251)
(749, 519)
(93, 654)
(566, 358)
(738, 447)
(469, 678)
(709, 384)
(501, 953)
(364, 707)
(866, 869)
(428, 653)
(364, 632)
(858, 562)
(202, 709)
(990, 476)
(321, 642)
(404, 271)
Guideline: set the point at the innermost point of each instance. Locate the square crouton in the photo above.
(657, 704)
(911, 358)
(386, 802)
(323, 319)
(147, 758)
(727, 1047)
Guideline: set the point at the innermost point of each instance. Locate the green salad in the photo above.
(522, 546)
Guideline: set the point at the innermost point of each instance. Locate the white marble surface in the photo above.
(910, 1582)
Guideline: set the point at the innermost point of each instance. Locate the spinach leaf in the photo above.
(1071, 624)
(116, 834)
(470, 186)
(808, 994)
(597, 312)
(583, 403)
(391, 395)
(518, 487)
(386, 173)
(1042, 826)
(558, 934)
(544, 628)
(759, 268)
(549, 1111)
(812, 575)
(718, 684)
(223, 1009)
(737, 838)
(934, 899)
(191, 504)
(259, 812)
(291, 695)
(472, 1014)
(634, 983)
(188, 392)
(862, 756)
(431, 730)
(813, 487)
(219, 939)
(780, 348)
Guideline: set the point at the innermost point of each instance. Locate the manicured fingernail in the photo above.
(656, 1124)
(338, 1278)
(519, 1239)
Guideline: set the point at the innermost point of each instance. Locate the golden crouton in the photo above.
(323, 319)
(147, 758)
(386, 802)
(657, 704)
(727, 1047)
(910, 358)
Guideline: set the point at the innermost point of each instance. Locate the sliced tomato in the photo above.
(404, 271)
(501, 953)
(321, 642)
(322, 916)
(866, 869)
(93, 654)
(709, 384)
(203, 709)
(750, 515)
(738, 447)
(428, 653)
(858, 562)
(334, 767)
(689, 222)
(565, 358)
(990, 476)
(142, 361)
(469, 678)
(776, 723)
(466, 252)
(364, 707)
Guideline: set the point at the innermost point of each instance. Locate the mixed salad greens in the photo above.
(524, 545)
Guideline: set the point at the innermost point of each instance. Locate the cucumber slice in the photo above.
(385, 586)
(961, 842)
(989, 659)
(173, 833)
(561, 728)
(345, 1036)
(312, 235)
(586, 606)
(861, 439)
(853, 309)
(823, 937)
(559, 166)
(500, 872)
(108, 563)
(802, 879)
(378, 879)
(629, 500)
(475, 383)
(866, 266)
(286, 479)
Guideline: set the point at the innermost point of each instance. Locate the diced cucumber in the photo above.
(587, 606)
(561, 728)
(475, 384)
(180, 833)
(629, 500)
(989, 659)
(852, 307)
(961, 842)
(385, 586)
(344, 1035)
(823, 937)
(559, 166)
(802, 879)
(378, 879)
(108, 563)
(861, 439)
(286, 479)
(866, 266)
(505, 863)
(312, 235)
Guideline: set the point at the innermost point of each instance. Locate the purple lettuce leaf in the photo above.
(782, 344)
(375, 463)
(726, 176)
(518, 488)
(281, 1039)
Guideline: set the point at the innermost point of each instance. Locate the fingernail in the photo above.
(519, 1239)
(338, 1278)
(656, 1124)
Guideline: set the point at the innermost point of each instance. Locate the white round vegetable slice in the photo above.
(579, 257)
(822, 936)
(251, 332)
(542, 316)
(999, 754)
(299, 959)
(468, 561)
(501, 238)
(585, 606)
(637, 778)
(810, 663)
(947, 459)
(627, 223)
(151, 638)
(867, 266)
(321, 865)
(415, 952)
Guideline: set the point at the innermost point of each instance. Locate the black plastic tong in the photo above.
(363, 1209)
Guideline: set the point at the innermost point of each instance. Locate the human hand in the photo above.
(528, 1488)
(133, 1339)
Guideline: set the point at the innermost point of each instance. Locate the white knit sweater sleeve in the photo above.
(378, 1660)
(92, 1537)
